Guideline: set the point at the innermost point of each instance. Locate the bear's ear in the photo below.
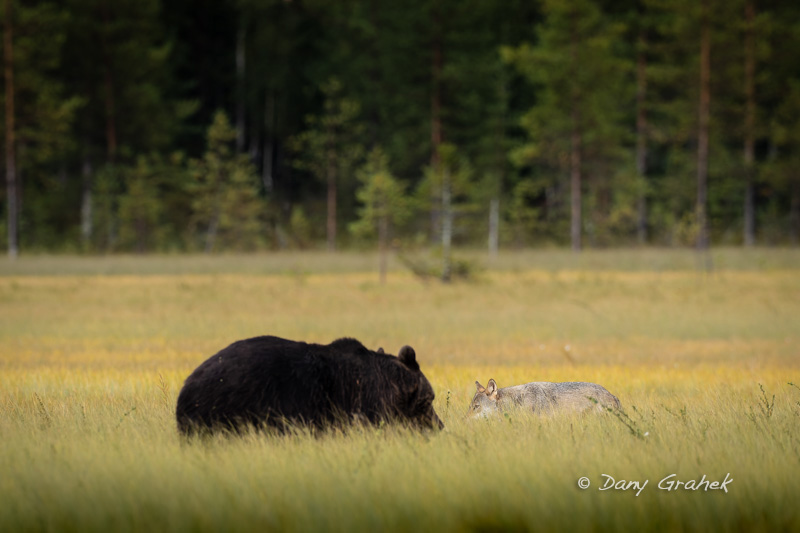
(408, 357)
(380, 350)
(480, 387)
(491, 388)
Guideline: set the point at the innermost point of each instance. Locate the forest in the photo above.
(202, 126)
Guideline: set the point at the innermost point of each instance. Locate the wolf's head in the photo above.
(484, 403)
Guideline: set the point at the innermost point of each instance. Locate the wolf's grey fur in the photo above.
(541, 397)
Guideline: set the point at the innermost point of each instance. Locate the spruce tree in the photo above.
(330, 147)
(383, 204)
(574, 125)
(227, 208)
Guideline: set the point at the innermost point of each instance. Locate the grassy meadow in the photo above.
(93, 352)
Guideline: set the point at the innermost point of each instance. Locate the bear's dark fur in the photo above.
(273, 382)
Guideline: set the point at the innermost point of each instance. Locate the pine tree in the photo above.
(10, 130)
(780, 87)
(641, 35)
(575, 114)
(680, 142)
(226, 205)
(453, 187)
(118, 57)
(703, 114)
(140, 209)
(329, 148)
(781, 171)
(384, 204)
(154, 211)
(749, 121)
(41, 113)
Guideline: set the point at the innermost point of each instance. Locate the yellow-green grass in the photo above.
(90, 368)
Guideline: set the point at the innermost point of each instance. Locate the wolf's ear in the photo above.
(491, 388)
(408, 357)
(380, 350)
(480, 387)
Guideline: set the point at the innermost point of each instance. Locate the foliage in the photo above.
(456, 175)
(140, 209)
(102, 86)
(300, 227)
(573, 113)
(329, 148)
(523, 213)
(148, 211)
(329, 143)
(382, 197)
(225, 200)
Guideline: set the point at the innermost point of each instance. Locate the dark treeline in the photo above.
(171, 125)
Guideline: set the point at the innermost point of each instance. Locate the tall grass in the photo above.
(90, 368)
(106, 456)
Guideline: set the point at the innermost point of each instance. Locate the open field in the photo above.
(321, 262)
(91, 366)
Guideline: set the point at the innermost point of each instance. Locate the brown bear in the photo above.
(273, 382)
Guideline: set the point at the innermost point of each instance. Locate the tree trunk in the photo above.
(108, 84)
(702, 130)
(447, 226)
(241, 35)
(749, 124)
(374, 73)
(437, 62)
(86, 204)
(11, 164)
(494, 227)
(794, 215)
(254, 142)
(267, 151)
(331, 222)
(211, 234)
(575, 147)
(641, 140)
(383, 244)
(500, 157)
(575, 181)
